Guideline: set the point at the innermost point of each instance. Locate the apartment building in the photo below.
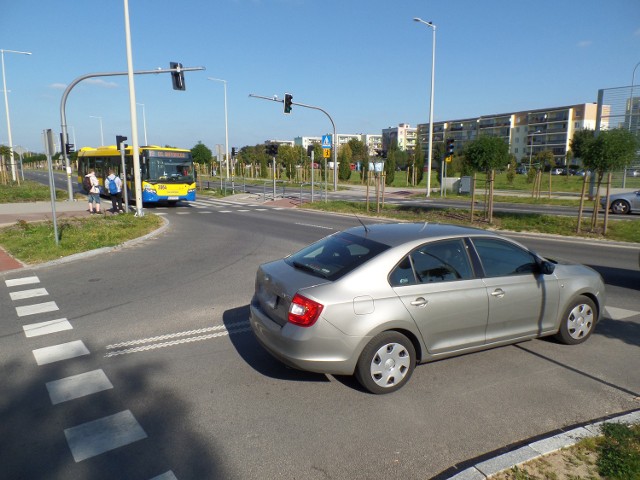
(404, 135)
(527, 133)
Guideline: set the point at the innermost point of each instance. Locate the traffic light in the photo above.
(288, 98)
(450, 147)
(69, 148)
(119, 140)
(272, 149)
(233, 152)
(177, 77)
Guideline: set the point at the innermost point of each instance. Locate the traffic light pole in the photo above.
(334, 139)
(63, 106)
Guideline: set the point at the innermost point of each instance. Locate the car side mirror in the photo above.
(547, 267)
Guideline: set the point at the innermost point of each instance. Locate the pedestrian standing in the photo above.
(113, 185)
(92, 186)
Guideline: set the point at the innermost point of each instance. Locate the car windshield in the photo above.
(336, 255)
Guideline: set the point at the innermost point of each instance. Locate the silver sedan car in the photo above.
(622, 202)
(376, 300)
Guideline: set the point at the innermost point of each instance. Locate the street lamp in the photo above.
(433, 70)
(6, 104)
(101, 132)
(226, 125)
(144, 123)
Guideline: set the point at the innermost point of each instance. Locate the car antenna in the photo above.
(366, 230)
(424, 226)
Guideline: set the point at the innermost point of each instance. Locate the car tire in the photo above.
(386, 363)
(578, 321)
(620, 206)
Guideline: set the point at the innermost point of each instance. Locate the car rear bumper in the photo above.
(320, 348)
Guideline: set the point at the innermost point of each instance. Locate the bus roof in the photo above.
(108, 150)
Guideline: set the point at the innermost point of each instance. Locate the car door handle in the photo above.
(420, 302)
(498, 292)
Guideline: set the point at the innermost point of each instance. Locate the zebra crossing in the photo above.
(207, 206)
(97, 436)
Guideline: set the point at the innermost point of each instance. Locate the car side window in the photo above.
(500, 258)
(403, 274)
(443, 261)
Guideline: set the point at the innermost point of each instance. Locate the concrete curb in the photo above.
(484, 468)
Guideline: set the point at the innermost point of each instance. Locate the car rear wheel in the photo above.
(578, 321)
(386, 363)
(620, 206)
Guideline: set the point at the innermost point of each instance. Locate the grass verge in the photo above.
(615, 455)
(35, 242)
(27, 191)
(619, 230)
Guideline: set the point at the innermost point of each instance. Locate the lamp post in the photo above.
(226, 124)
(101, 132)
(144, 123)
(6, 105)
(433, 70)
(633, 81)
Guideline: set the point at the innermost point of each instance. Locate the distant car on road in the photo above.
(622, 202)
(522, 170)
(558, 171)
(376, 300)
(633, 172)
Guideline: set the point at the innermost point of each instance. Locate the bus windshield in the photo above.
(167, 166)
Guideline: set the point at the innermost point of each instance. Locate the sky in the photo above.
(365, 62)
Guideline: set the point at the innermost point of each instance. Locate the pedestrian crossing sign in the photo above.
(326, 141)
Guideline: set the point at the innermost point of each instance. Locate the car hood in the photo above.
(276, 284)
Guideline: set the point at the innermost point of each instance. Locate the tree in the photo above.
(487, 154)
(359, 153)
(5, 153)
(344, 159)
(201, 153)
(579, 142)
(418, 163)
(611, 150)
(390, 163)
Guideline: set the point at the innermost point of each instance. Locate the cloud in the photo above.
(58, 86)
(584, 43)
(101, 83)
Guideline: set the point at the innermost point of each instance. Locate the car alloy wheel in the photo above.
(578, 321)
(386, 363)
(620, 206)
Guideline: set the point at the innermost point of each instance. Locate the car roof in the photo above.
(394, 234)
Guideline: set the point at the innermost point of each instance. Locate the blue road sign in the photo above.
(326, 141)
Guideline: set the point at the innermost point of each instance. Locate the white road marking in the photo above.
(77, 386)
(56, 353)
(615, 313)
(33, 292)
(207, 211)
(166, 476)
(45, 328)
(167, 340)
(314, 226)
(243, 210)
(22, 281)
(225, 211)
(93, 438)
(37, 308)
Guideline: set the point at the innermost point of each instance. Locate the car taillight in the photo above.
(304, 312)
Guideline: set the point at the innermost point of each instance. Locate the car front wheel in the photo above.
(620, 206)
(578, 321)
(386, 363)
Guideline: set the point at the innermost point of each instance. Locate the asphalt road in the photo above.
(193, 396)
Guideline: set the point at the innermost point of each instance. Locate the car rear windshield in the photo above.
(336, 255)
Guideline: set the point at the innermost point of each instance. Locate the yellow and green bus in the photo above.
(167, 174)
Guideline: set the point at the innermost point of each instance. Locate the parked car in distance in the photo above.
(622, 202)
(374, 301)
(633, 172)
(558, 171)
(522, 170)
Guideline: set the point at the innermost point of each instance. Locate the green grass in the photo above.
(620, 230)
(27, 191)
(35, 242)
